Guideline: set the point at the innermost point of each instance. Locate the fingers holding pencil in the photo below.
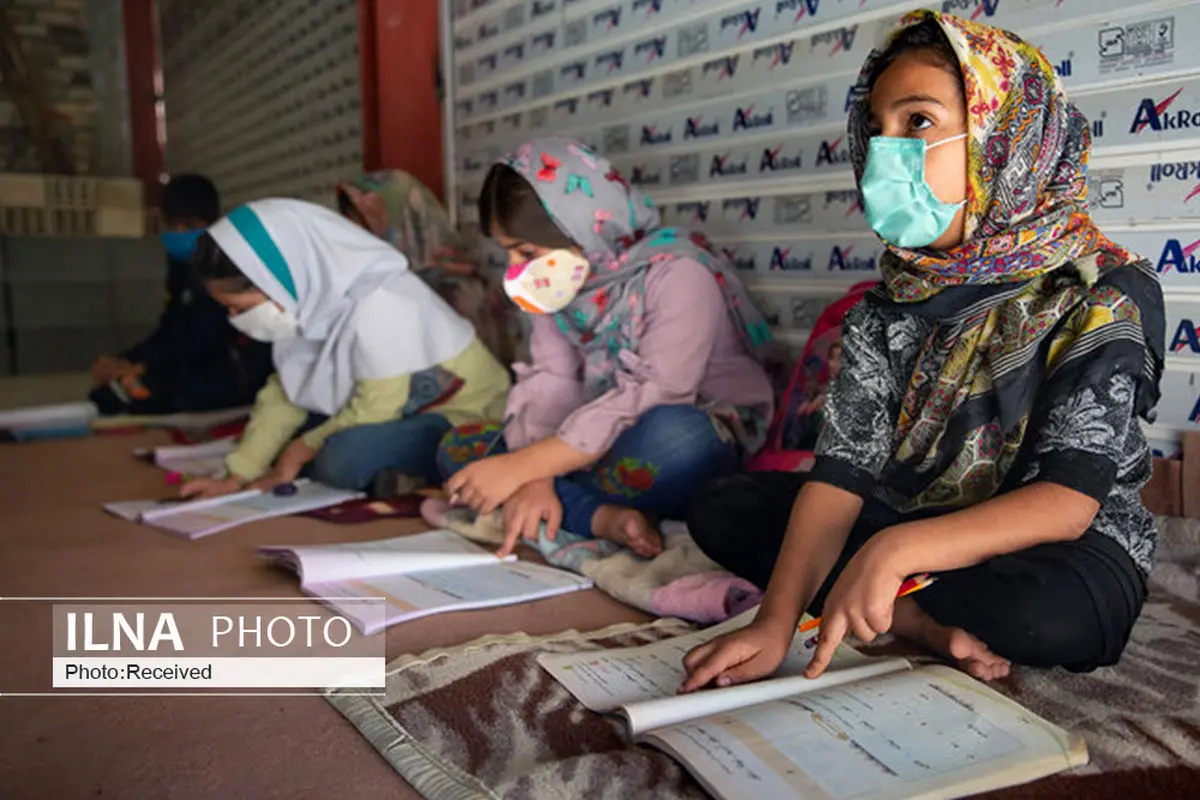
(913, 584)
(462, 494)
(854, 607)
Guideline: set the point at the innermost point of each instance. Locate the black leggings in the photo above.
(1069, 604)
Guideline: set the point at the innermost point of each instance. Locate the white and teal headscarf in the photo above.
(363, 314)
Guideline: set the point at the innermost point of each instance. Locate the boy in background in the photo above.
(194, 360)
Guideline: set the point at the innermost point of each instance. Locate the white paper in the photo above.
(421, 552)
(417, 595)
(932, 732)
(47, 416)
(217, 447)
(199, 518)
(665, 711)
(132, 510)
(642, 682)
(213, 467)
(157, 510)
(204, 459)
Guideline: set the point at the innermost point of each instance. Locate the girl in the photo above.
(193, 361)
(645, 378)
(398, 208)
(983, 425)
(383, 365)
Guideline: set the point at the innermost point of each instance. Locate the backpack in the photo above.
(797, 424)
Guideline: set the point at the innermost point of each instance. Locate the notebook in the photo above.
(417, 575)
(195, 519)
(45, 422)
(868, 728)
(206, 459)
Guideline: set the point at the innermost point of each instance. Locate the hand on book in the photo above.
(742, 656)
(201, 488)
(860, 602)
(288, 466)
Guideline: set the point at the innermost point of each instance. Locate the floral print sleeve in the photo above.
(864, 402)
(1092, 443)
(1082, 442)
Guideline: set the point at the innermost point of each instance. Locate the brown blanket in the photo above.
(484, 720)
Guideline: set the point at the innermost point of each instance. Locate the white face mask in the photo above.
(548, 283)
(266, 322)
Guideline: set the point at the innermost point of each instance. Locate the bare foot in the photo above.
(629, 527)
(972, 656)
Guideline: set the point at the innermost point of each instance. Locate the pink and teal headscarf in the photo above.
(620, 232)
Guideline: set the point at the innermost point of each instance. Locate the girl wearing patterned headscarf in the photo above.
(984, 424)
(645, 376)
(398, 208)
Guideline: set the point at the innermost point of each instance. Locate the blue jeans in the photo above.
(652, 466)
(351, 459)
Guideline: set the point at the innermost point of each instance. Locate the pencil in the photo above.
(914, 584)
(499, 435)
(492, 446)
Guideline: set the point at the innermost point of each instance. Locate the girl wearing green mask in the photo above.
(983, 426)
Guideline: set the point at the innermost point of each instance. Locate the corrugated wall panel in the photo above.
(732, 115)
(263, 95)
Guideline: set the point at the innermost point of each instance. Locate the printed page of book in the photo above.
(424, 593)
(150, 510)
(170, 506)
(132, 510)
(641, 682)
(194, 522)
(419, 552)
(932, 732)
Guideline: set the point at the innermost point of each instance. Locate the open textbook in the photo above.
(867, 728)
(42, 422)
(194, 519)
(417, 575)
(206, 459)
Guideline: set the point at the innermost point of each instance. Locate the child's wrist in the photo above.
(528, 468)
(237, 481)
(895, 549)
(777, 618)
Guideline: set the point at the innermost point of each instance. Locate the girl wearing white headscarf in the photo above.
(372, 359)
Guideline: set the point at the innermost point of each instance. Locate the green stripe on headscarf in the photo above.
(255, 233)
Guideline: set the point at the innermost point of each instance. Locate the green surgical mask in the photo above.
(897, 200)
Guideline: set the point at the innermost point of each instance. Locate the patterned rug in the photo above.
(483, 720)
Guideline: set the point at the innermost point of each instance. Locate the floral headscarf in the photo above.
(1042, 301)
(618, 228)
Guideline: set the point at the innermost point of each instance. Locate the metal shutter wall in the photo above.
(263, 95)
